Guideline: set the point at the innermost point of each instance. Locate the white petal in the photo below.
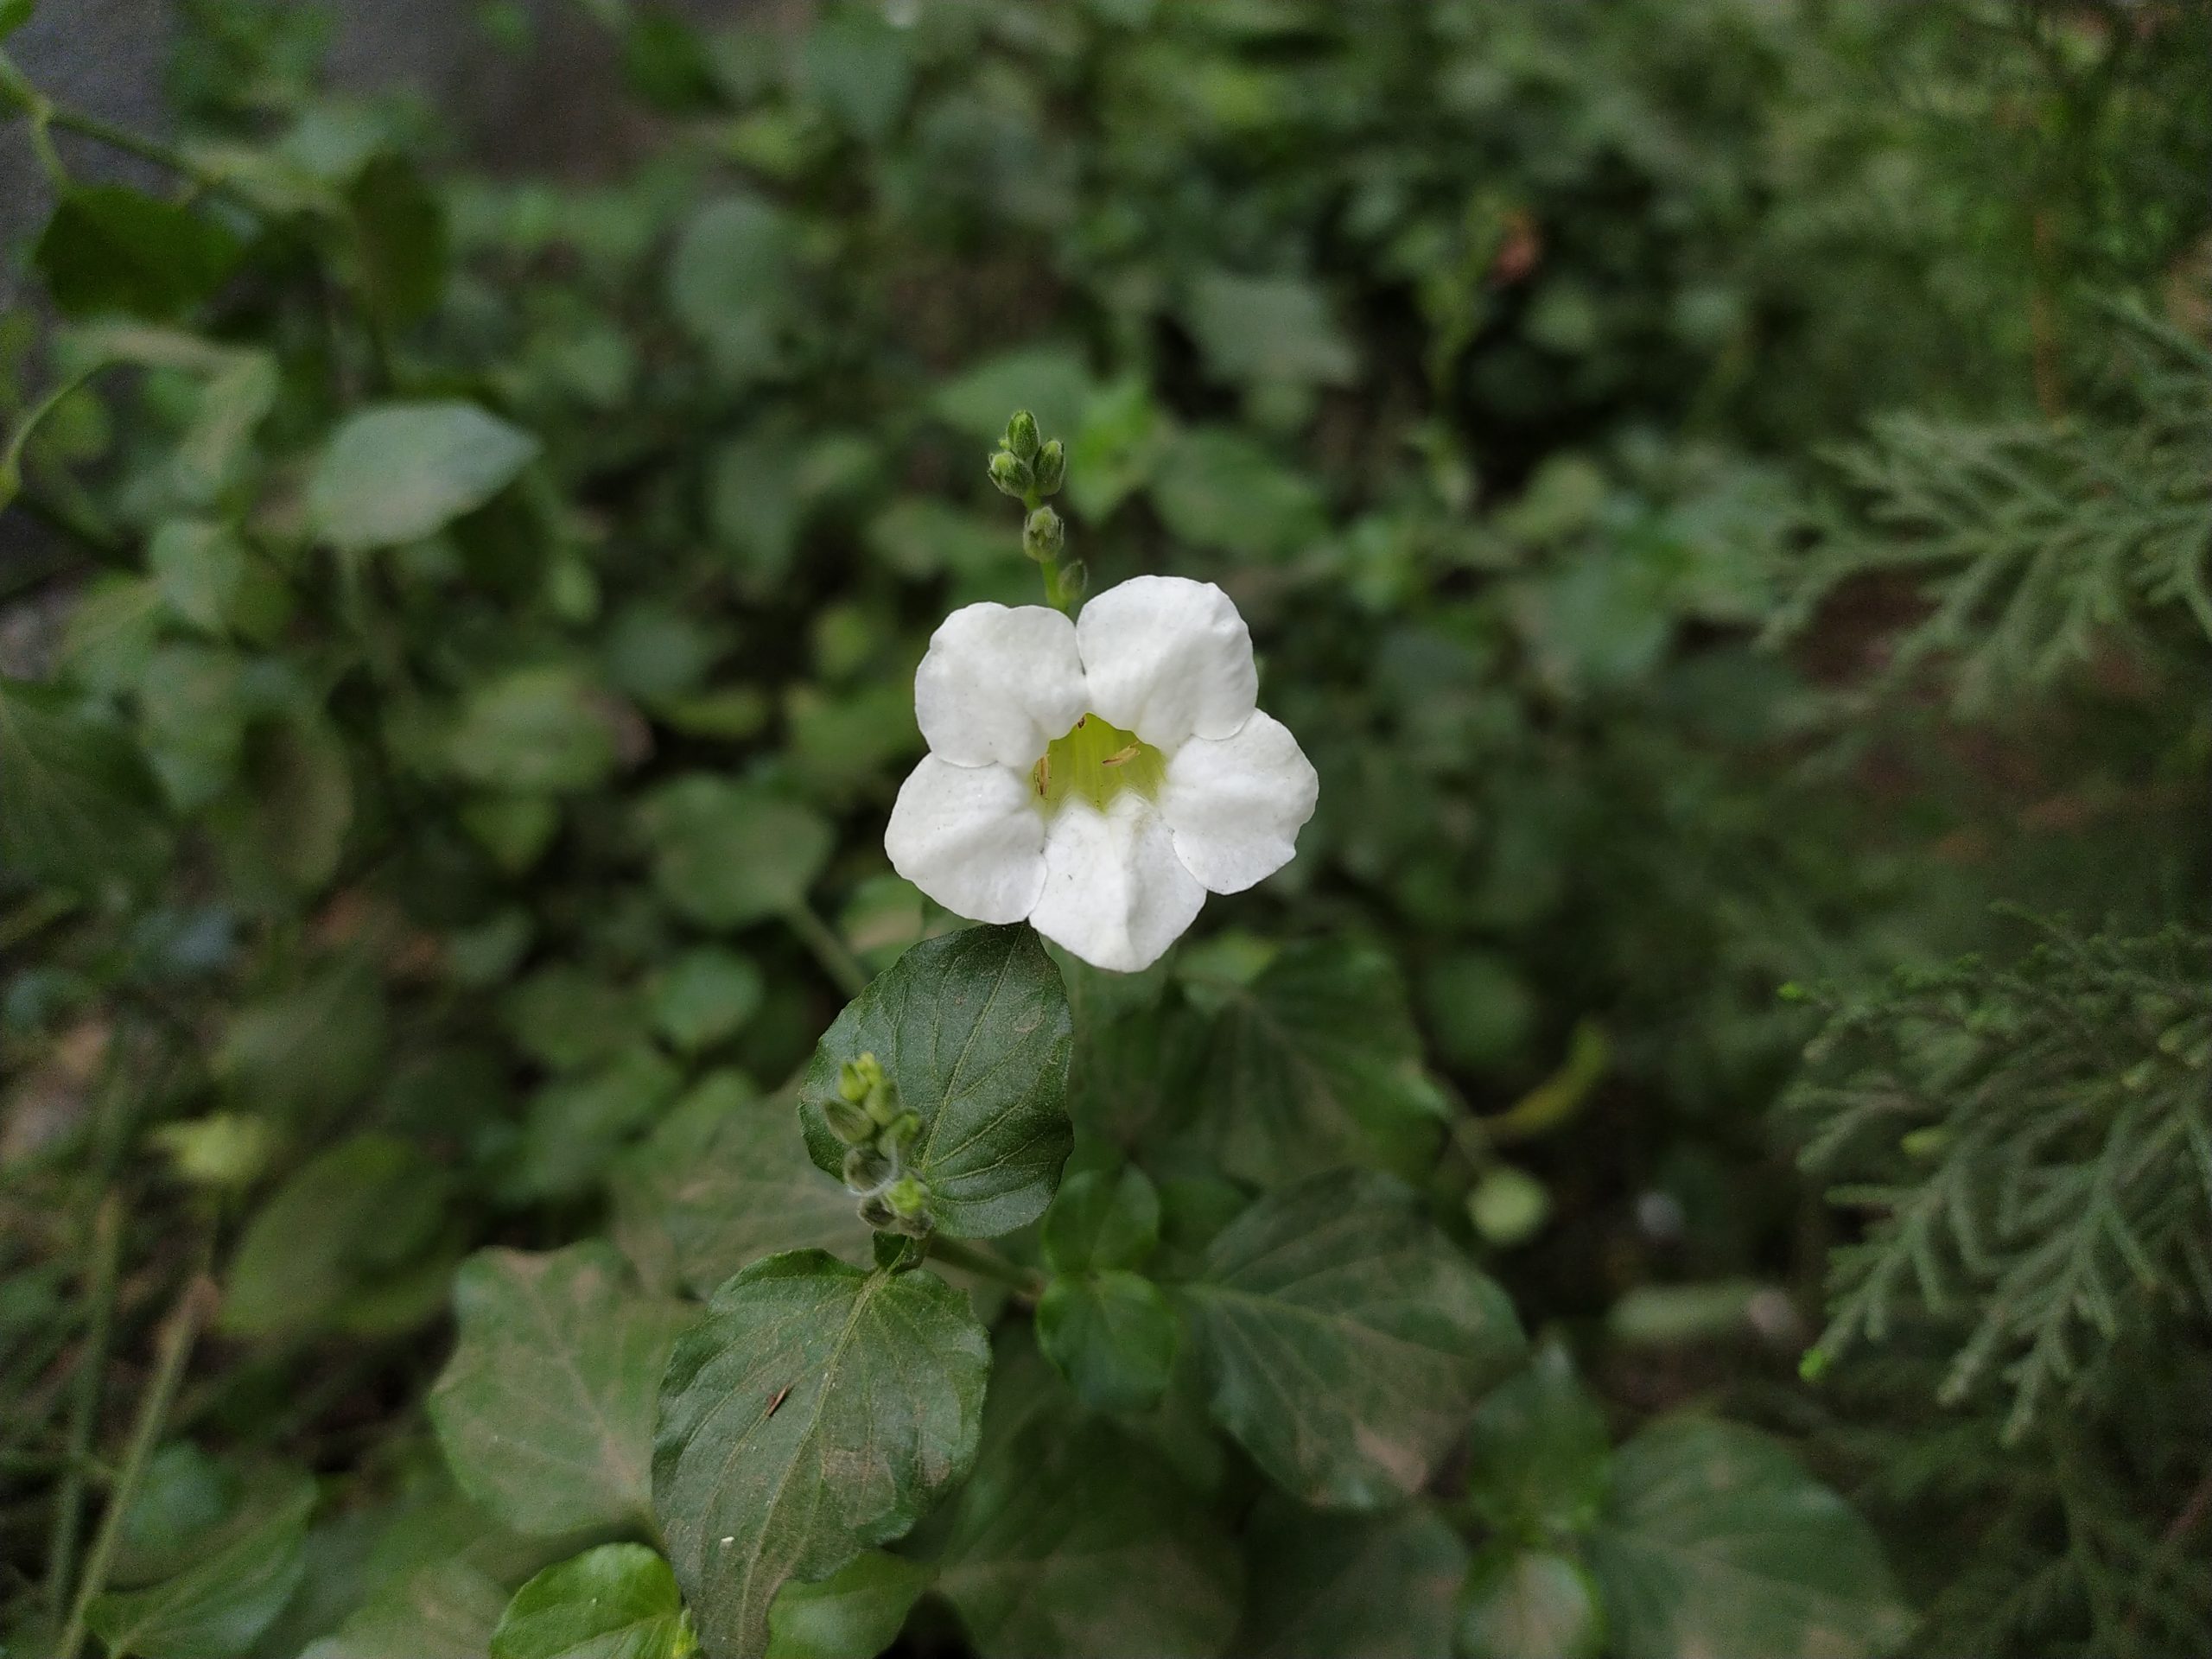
(1166, 658)
(1235, 804)
(1115, 892)
(999, 684)
(969, 837)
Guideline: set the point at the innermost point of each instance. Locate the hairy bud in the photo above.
(1051, 467)
(1011, 475)
(1044, 536)
(1022, 434)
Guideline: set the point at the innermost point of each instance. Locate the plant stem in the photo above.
(179, 1332)
(987, 1264)
(132, 143)
(837, 961)
(84, 1406)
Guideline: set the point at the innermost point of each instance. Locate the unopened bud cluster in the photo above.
(865, 1115)
(1029, 467)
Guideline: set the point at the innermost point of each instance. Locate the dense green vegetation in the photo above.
(1708, 1150)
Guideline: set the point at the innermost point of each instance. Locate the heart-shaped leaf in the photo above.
(399, 471)
(619, 1601)
(545, 1410)
(1346, 1338)
(816, 1411)
(973, 1034)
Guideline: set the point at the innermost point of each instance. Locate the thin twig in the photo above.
(987, 1264)
(179, 1332)
(836, 959)
(84, 1408)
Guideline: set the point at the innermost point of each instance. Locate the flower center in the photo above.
(1098, 761)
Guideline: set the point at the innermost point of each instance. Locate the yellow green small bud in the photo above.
(1044, 536)
(1051, 467)
(902, 1130)
(907, 1197)
(848, 1120)
(1011, 475)
(1022, 436)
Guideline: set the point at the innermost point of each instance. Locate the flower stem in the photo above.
(987, 1264)
(836, 959)
(85, 1407)
(179, 1332)
(130, 143)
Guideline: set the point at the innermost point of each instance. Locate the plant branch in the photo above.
(837, 958)
(85, 1407)
(986, 1263)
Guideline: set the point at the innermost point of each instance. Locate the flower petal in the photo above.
(1115, 892)
(1167, 657)
(969, 837)
(1235, 804)
(999, 684)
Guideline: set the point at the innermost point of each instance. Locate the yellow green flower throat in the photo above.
(1096, 760)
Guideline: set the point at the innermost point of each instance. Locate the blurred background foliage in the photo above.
(1719, 489)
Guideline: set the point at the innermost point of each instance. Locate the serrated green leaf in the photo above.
(1315, 1064)
(854, 1613)
(1113, 1335)
(80, 810)
(109, 248)
(1080, 1543)
(1383, 1587)
(973, 1033)
(216, 1607)
(728, 854)
(816, 1412)
(1531, 1604)
(1715, 1540)
(446, 1610)
(1346, 1338)
(1538, 1452)
(619, 1601)
(545, 1411)
(723, 1180)
(399, 472)
(1099, 1221)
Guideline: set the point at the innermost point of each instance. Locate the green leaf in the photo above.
(542, 730)
(566, 1017)
(1099, 1221)
(1080, 1543)
(1382, 1586)
(184, 1496)
(347, 1227)
(399, 472)
(1216, 487)
(1346, 1338)
(1538, 1452)
(1273, 330)
(728, 854)
(14, 13)
(445, 1611)
(109, 248)
(854, 1613)
(199, 569)
(215, 1608)
(1315, 1064)
(577, 1123)
(311, 1050)
(704, 996)
(619, 1601)
(1534, 1604)
(816, 1412)
(81, 810)
(725, 1180)
(545, 1410)
(400, 228)
(973, 1033)
(731, 280)
(1049, 381)
(1716, 1541)
(1113, 1335)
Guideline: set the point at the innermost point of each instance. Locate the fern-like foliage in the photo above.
(2038, 543)
(2032, 1146)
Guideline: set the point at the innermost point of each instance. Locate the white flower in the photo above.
(1098, 777)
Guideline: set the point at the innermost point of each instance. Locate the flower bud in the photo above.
(1022, 434)
(919, 1226)
(907, 1197)
(1075, 580)
(849, 1122)
(1051, 467)
(858, 1077)
(1011, 475)
(1044, 536)
(866, 1169)
(901, 1130)
(877, 1214)
(882, 1105)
